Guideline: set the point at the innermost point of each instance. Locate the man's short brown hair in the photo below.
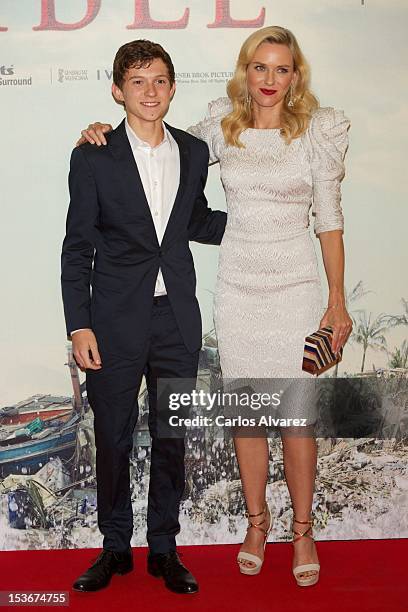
(139, 54)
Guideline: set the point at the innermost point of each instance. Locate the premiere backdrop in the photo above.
(55, 76)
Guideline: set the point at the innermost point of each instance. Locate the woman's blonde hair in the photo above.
(294, 119)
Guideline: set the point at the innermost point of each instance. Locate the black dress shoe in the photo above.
(177, 578)
(99, 574)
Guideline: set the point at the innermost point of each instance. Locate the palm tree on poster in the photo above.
(401, 319)
(370, 333)
(352, 296)
(356, 293)
(399, 357)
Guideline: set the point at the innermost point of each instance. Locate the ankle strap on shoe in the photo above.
(255, 515)
(258, 525)
(306, 533)
(310, 522)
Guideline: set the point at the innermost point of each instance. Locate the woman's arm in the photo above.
(203, 130)
(336, 315)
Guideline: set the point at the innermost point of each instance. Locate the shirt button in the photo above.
(156, 213)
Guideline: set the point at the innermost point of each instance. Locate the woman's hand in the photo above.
(94, 134)
(339, 320)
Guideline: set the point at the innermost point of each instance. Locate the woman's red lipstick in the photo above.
(268, 92)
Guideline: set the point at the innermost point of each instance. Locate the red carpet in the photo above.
(366, 576)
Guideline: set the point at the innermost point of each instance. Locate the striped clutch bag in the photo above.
(318, 356)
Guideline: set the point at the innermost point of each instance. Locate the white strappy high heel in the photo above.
(307, 567)
(245, 556)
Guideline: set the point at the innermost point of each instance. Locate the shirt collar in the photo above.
(136, 142)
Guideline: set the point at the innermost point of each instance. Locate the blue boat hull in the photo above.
(27, 457)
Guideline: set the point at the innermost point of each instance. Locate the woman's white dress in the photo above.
(268, 295)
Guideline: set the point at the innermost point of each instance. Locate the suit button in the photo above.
(160, 253)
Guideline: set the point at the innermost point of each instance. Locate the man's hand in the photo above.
(95, 134)
(85, 350)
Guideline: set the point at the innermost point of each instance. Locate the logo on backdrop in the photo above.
(104, 74)
(6, 70)
(71, 75)
(220, 76)
(8, 77)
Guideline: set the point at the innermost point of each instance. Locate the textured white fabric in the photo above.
(268, 295)
(159, 170)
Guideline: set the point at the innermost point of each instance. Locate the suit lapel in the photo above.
(128, 172)
(184, 173)
(130, 177)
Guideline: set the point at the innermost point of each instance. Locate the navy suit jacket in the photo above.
(111, 254)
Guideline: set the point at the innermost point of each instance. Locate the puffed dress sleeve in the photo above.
(209, 129)
(327, 141)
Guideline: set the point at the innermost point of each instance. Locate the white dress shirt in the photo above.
(159, 170)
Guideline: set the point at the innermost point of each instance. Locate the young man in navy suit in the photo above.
(134, 206)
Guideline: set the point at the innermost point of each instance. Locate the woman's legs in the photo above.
(300, 459)
(253, 459)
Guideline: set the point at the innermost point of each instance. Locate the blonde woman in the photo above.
(280, 156)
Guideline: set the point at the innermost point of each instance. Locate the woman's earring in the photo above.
(291, 102)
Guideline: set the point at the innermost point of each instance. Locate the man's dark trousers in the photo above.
(113, 393)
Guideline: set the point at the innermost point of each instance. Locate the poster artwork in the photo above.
(143, 18)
